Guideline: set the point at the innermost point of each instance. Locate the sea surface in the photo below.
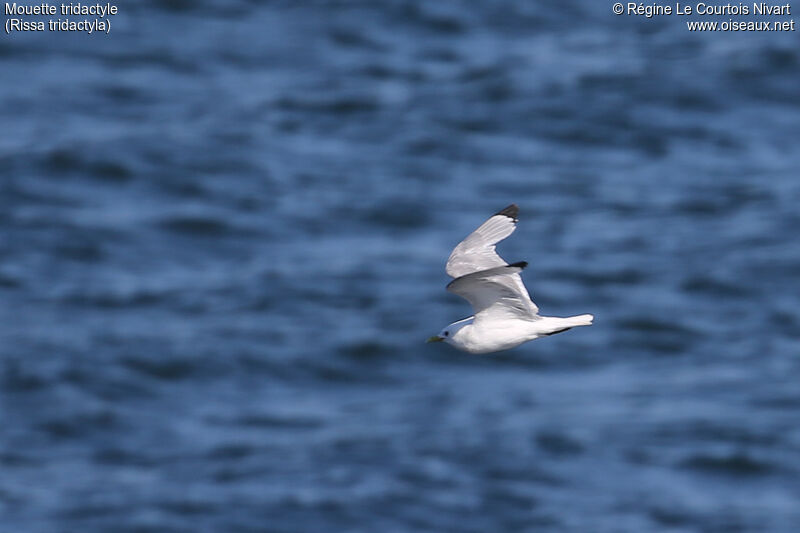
(223, 229)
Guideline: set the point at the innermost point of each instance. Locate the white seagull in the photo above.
(505, 316)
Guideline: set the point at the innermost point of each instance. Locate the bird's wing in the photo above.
(494, 293)
(477, 253)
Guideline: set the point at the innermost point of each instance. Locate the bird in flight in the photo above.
(505, 316)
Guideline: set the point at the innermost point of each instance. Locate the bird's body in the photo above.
(480, 339)
(505, 316)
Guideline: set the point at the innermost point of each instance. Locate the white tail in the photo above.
(550, 325)
(580, 320)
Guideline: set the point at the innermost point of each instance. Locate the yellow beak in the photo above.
(435, 338)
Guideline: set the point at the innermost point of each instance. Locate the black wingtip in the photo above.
(511, 212)
(520, 264)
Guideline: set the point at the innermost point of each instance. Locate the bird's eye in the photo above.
(446, 333)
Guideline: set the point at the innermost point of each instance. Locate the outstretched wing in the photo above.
(494, 294)
(477, 254)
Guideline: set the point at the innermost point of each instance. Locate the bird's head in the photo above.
(450, 332)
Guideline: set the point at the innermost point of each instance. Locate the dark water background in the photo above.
(223, 229)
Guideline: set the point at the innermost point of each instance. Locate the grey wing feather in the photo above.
(477, 253)
(494, 292)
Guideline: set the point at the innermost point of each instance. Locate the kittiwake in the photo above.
(505, 316)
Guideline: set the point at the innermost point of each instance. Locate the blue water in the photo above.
(223, 230)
